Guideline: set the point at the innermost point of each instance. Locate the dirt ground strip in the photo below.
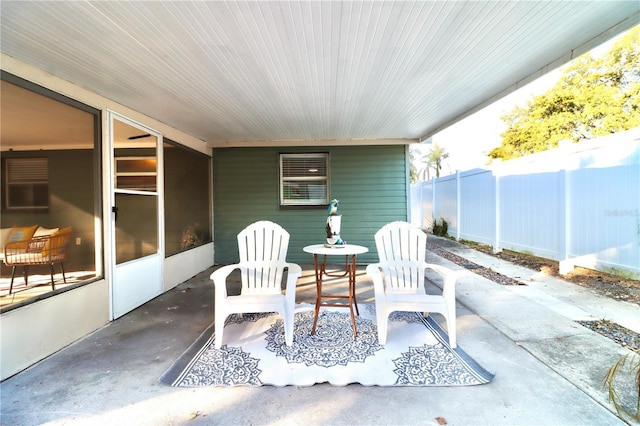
(612, 286)
(608, 285)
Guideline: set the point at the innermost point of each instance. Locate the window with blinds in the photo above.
(304, 179)
(27, 183)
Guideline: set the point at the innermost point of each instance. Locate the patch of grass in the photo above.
(441, 229)
(472, 244)
(622, 273)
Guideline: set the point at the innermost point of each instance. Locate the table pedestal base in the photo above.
(350, 271)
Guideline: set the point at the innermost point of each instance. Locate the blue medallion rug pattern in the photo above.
(254, 353)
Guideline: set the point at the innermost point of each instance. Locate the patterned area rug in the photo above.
(417, 353)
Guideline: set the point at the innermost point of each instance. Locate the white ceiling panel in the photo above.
(233, 73)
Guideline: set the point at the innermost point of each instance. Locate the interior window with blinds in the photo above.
(27, 183)
(304, 179)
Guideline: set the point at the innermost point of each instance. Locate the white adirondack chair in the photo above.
(399, 278)
(263, 249)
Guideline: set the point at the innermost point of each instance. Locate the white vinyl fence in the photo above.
(578, 204)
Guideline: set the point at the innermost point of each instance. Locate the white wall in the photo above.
(35, 331)
(578, 204)
(182, 266)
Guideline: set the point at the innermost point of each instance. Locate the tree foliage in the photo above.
(422, 164)
(413, 170)
(593, 97)
(435, 157)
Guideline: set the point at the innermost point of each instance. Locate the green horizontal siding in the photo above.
(370, 183)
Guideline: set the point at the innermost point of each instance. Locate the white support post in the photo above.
(422, 185)
(458, 198)
(496, 236)
(433, 202)
(566, 264)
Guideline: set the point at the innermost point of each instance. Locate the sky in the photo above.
(469, 141)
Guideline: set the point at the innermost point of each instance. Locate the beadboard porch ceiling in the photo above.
(280, 72)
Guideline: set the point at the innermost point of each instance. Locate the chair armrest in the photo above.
(22, 247)
(7, 251)
(293, 273)
(374, 271)
(449, 277)
(26, 252)
(219, 277)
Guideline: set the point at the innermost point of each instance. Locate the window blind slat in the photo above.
(302, 167)
(28, 170)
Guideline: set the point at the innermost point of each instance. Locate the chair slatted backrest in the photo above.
(402, 250)
(263, 249)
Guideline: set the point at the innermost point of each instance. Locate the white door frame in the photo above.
(149, 268)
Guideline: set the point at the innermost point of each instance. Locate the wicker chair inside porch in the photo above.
(44, 250)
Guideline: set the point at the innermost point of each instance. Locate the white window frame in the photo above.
(304, 179)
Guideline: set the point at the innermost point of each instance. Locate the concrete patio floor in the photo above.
(548, 368)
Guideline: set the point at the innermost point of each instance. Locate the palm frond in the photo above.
(632, 360)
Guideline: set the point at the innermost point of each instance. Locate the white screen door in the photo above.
(136, 241)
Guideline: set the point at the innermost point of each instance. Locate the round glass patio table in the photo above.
(347, 250)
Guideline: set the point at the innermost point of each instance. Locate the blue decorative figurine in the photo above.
(333, 225)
